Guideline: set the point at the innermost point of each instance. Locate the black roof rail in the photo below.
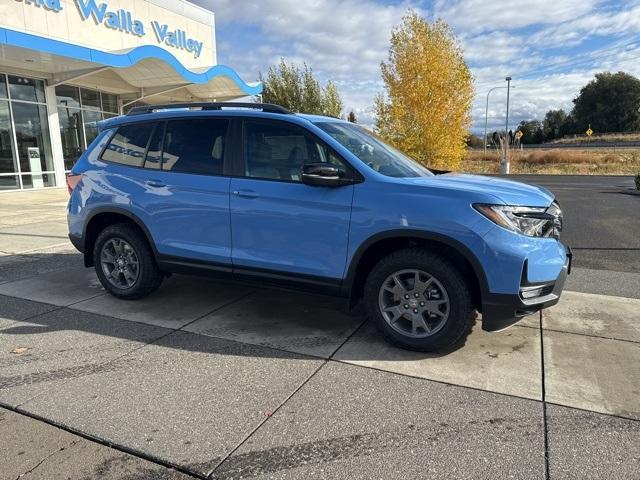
(265, 107)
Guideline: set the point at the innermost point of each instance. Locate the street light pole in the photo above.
(504, 167)
(486, 116)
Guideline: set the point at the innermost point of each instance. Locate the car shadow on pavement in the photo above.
(280, 320)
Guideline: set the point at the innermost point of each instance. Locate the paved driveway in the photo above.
(211, 379)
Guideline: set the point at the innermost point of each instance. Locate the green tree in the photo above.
(331, 101)
(426, 108)
(555, 124)
(474, 141)
(532, 131)
(352, 117)
(298, 90)
(609, 103)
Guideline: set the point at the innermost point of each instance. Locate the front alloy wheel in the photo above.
(419, 300)
(414, 303)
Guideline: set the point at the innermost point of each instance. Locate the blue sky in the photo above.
(550, 47)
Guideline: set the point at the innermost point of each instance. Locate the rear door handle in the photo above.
(246, 194)
(156, 184)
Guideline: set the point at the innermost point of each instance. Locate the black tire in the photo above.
(461, 315)
(149, 276)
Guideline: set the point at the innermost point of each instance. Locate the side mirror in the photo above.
(324, 175)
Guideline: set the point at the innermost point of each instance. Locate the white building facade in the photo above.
(67, 64)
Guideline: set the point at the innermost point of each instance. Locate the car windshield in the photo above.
(374, 152)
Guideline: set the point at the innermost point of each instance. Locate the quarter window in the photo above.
(128, 146)
(277, 151)
(195, 146)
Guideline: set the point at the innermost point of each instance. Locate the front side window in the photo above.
(195, 146)
(128, 146)
(376, 154)
(278, 151)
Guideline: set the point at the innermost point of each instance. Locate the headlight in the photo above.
(530, 221)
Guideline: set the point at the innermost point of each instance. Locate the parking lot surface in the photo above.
(207, 379)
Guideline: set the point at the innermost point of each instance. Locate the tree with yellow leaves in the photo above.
(426, 108)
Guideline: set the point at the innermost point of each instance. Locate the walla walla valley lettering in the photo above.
(123, 21)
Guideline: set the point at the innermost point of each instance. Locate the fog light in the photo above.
(531, 293)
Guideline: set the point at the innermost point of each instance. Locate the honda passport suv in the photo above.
(259, 194)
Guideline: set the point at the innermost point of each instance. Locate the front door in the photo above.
(278, 223)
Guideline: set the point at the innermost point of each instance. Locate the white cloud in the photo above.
(345, 41)
(483, 15)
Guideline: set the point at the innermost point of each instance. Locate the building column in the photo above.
(54, 135)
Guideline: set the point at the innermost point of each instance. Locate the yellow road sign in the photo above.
(589, 132)
(519, 134)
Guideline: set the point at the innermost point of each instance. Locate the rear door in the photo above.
(186, 181)
(279, 224)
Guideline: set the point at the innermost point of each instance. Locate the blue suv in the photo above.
(257, 193)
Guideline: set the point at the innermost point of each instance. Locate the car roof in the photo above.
(167, 114)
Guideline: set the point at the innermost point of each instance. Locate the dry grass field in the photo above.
(558, 161)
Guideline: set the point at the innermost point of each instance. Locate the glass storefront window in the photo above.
(90, 99)
(38, 181)
(9, 182)
(109, 103)
(91, 120)
(3, 86)
(79, 111)
(27, 89)
(26, 159)
(71, 133)
(67, 96)
(32, 135)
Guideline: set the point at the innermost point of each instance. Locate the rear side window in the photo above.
(195, 146)
(128, 146)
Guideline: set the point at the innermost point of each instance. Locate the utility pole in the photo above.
(504, 164)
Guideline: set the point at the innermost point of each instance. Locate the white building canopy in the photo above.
(146, 73)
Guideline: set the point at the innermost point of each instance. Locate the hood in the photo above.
(508, 191)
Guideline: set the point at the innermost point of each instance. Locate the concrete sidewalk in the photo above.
(244, 383)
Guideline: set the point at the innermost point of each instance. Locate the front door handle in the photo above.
(246, 194)
(156, 184)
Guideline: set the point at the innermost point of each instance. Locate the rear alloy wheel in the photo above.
(119, 263)
(419, 301)
(125, 263)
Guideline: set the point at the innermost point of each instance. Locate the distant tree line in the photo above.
(609, 103)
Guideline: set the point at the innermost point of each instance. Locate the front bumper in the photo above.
(500, 311)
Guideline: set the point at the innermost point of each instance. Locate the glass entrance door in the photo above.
(34, 146)
(8, 167)
(26, 160)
